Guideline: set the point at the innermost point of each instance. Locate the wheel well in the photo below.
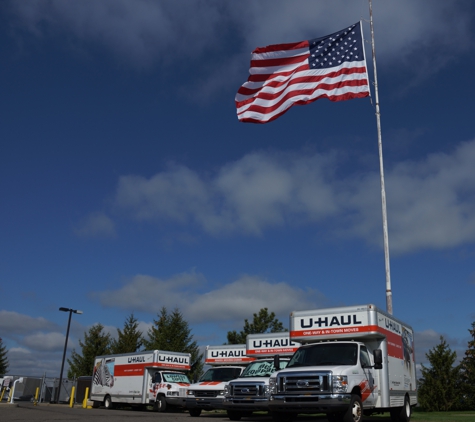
(357, 391)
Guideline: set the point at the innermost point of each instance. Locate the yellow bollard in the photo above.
(71, 400)
(10, 395)
(36, 395)
(3, 392)
(84, 402)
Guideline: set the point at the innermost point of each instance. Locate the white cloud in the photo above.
(15, 323)
(431, 202)
(231, 302)
(44, 341)
(143, 33)
(259, 191)
(96, 224)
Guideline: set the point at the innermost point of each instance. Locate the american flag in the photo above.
(284, 75)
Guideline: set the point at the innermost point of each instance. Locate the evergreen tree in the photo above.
(171, 333)
(3, 358)
(263, 322)
(130, 339)
(96, 343)
(438, 387)
(467, 379)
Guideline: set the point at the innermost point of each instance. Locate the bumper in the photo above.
(314, 404)
(176, 401)
(250, 404)
(204, 403)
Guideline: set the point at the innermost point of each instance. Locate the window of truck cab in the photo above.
(175, 377)
(325, 354)
(262, 368)
(220, 374)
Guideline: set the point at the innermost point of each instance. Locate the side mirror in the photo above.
(378, 359)
(276, 362)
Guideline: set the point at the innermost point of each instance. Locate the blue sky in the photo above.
(127, 182)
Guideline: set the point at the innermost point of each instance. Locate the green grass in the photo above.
(419, 416)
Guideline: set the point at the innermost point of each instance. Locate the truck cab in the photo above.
(330, 377)
(250, 392)
(228, 362)
(167, 389)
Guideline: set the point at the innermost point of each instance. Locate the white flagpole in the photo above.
(389, 297)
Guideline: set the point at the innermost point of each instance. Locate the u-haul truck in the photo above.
(155, 378)
(250, 392)
(358, 359)
(227, 363)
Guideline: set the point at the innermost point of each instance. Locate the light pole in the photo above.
(71, 311)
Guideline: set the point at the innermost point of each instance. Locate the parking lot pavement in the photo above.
(28, 412)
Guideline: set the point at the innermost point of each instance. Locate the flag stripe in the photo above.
(284, 75)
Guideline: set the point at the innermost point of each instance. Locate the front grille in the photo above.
(304, 382)
(251, 389)
(206, 393)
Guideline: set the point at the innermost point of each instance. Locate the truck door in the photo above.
(368, 388)
(154, 381)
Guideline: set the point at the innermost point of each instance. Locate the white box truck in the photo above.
(250, 392)
(155, 378)
(357, 360)
(227, 361)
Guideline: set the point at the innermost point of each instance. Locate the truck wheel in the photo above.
(355, 411)
(108, 402)
(160, 404)
(195, 412)
(402, 414)
(234, 415)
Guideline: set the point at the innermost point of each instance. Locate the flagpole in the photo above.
(389, 297)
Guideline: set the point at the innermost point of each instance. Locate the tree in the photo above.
(438, 386)
(263, 322)
(96, 343)
(3, 358)
(130, 339)
(171, 333)
(467, 378)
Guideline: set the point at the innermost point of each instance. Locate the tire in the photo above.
(402, 414)
(355, 410)
(234, 415)
(108, 402)
(195, 412)
(96, 404)
(160, 404)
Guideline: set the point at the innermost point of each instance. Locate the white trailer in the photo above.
(250, 392)
(363, 363)
(139, 379)
(227, 363)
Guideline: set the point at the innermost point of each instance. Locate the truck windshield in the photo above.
(325, 355)
(175, 377)
(221, 374)
(262, 369)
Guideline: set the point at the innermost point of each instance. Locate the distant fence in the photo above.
(47, 388)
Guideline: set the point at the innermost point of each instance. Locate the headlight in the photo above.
(227, 390)
(221, 393)
(172, 393)
(266, 391)
(340, 383)
(272, 385)
(190, 393)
